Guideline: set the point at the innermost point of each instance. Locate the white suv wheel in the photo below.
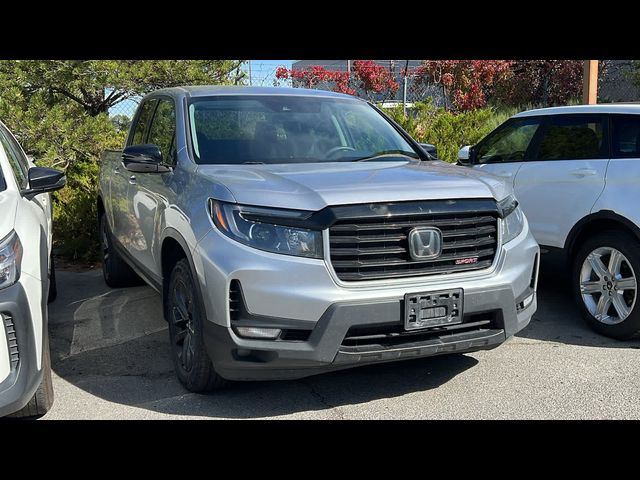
(608, 285)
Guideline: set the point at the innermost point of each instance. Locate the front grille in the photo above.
(12, 341)
(378, 247)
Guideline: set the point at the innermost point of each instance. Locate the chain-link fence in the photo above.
(522, 83)
(122, 113)
(619, 81)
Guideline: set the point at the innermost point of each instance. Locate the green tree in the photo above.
(59, 110)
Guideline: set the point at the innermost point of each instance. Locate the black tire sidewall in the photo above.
(629, 246)
(198, 378)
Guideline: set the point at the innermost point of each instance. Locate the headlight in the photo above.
(512, 218)
(10, 260)
(258, 227)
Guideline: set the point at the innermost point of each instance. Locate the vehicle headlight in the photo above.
(10, 260)
(260, 228)
(512, 218)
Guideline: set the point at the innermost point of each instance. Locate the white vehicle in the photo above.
(576, 173)
(27, 280)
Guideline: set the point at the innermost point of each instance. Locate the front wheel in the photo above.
(605, 283)
(185, 315)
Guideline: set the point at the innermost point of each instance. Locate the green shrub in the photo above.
(448, 131)
(58, 109)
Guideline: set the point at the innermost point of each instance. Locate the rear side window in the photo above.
(142, 122)
(573, 137)
(12, 150)
(626, 136)
(3, 185)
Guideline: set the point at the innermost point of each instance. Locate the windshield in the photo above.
(290, 129)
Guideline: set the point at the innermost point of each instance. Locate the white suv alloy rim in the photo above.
(608, 285)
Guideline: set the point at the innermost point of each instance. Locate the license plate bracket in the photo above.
(433, 309)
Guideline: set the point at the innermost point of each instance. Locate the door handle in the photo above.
(132, 180)
(505, 174)
(583, 172)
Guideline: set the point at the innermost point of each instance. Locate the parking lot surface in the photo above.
(110, 356)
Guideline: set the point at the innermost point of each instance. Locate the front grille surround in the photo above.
(376, 249)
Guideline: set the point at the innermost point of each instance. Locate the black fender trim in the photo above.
(600, 215)
(172, 233)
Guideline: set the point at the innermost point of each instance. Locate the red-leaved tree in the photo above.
(541, 82)
(466, 83)
(372, 78)
(367, 78)
(317, 76)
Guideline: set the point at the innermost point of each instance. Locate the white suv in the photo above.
(576, 173)
(26, 280)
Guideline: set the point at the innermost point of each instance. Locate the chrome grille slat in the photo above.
(411, 223)
(375, 248)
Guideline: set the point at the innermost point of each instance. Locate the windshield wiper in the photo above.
(385, 153)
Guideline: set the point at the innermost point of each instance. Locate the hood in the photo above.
(313, 186)
(8, 205)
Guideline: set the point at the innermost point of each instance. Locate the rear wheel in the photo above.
(192, 364)
(116, 272)
(605, 283)
(42, 400)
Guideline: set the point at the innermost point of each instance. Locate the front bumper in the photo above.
(301, 295)
(18, 351)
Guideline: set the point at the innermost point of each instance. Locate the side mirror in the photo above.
(464, 156)
(43, 180)
(145, 158)
(430, 149)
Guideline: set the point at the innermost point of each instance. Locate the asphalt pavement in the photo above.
(110, 356)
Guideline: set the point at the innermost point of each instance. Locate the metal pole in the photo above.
(404, 89)
(250, 77)
(590, 82)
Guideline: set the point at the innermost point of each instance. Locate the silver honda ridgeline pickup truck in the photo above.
(292, 232)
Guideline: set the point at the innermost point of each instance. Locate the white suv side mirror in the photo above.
(463, 153)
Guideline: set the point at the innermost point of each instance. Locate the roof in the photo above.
(600, 108)
(218, 90)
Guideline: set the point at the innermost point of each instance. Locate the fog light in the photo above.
(258, 332)
(524, 304)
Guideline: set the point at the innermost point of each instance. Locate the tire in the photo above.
(53, 287)
(185, 316)
(42, 400)
(116, 272)
(615, 312)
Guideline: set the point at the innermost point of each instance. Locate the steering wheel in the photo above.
(330, 153)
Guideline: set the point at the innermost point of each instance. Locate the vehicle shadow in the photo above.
(113, 344)
(558, 318)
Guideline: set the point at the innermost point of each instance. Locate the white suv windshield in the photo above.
(290, 129)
